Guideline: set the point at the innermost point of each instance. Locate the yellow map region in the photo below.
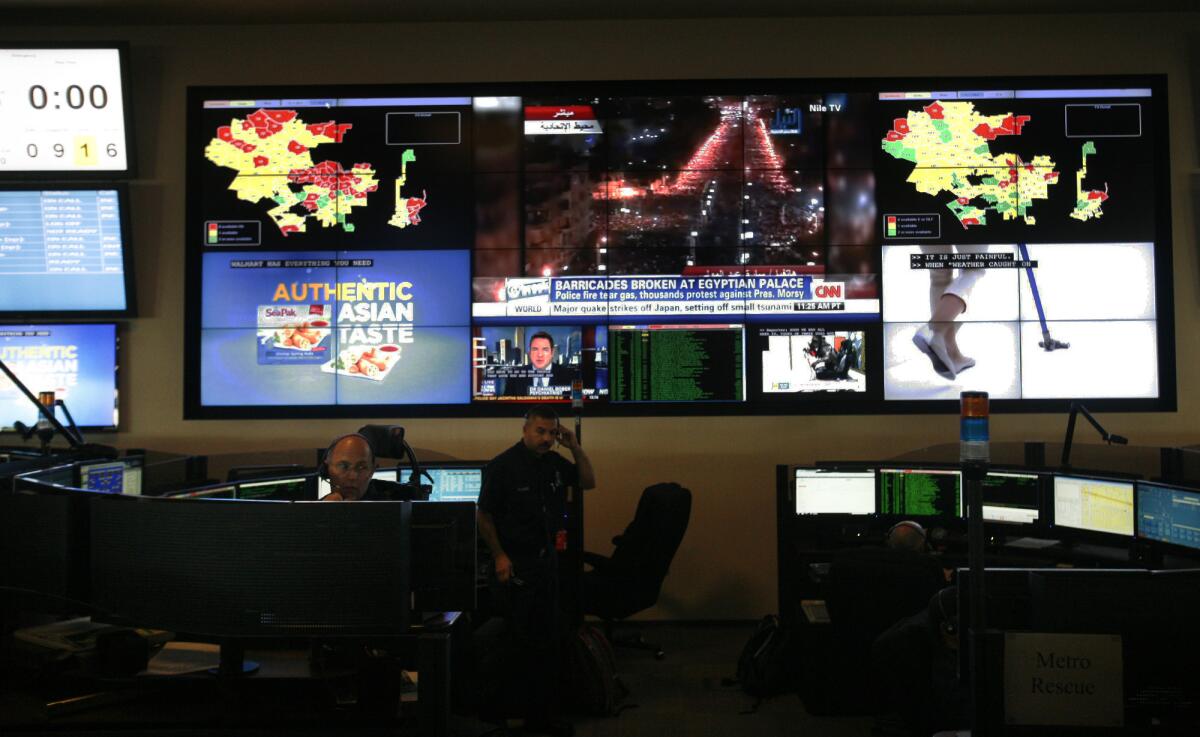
(1088, 203)
(402, 215)
(277, 165)
(1104, 508)
(950, 144)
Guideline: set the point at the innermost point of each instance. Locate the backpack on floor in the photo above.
(593, 686)
(763, 668)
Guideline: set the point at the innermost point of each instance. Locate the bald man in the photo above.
(907, 535)
(349, 466)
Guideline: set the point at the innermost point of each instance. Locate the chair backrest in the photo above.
(644, 551)
(870, 589)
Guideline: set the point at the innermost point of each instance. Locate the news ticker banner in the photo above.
(671, 297)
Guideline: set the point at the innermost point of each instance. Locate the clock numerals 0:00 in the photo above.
(76, 97)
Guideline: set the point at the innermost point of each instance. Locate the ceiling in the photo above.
(238, 12)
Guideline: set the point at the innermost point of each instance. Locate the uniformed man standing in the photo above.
(521, 519)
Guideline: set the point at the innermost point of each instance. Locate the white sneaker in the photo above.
(925, 341)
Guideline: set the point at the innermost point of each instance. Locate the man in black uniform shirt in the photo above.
(521, 509)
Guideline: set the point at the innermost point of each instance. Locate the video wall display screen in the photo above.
(65, 251)
(76, 362)
(785, 246)
(66, 111)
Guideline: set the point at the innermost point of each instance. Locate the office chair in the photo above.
(866, 592)
(630, 580)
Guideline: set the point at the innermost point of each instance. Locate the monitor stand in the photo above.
(233, 661)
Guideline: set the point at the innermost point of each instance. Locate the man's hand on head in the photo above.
(566, 436)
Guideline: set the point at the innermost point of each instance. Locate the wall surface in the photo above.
(726, 566)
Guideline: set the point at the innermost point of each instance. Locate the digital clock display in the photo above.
(62, 110)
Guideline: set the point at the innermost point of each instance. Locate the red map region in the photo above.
(330, 175)
(1096, 195)
(330, 129)
(414, 206)
(935, 111)
(1011, 126)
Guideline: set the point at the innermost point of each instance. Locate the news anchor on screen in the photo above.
(542, 375)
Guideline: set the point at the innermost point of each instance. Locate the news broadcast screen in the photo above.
(76, 362)
(786, 246)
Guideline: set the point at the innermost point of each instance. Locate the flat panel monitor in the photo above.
(298, 489)
(235, 569)
(1094, 504)
(65, 251)
(1168, 514)
(454, 482)
(76, 362)
(66, 111)
(381, 474)
(1010, 497)
(115, 477)
(832, 491)
(920, 492)
(686, 246)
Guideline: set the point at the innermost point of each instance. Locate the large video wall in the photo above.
(791, 246)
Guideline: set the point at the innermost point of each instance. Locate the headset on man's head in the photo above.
(911, 525)
(323, 467)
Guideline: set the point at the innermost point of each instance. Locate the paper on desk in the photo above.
(815, 611)
(177, 658)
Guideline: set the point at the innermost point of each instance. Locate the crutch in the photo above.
(1046, 342)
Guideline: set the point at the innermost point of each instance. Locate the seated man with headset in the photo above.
(914, 668)
(349, 466)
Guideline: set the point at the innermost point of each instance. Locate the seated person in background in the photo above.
(543, 374)
(914, 668)
(907, 535)
(349, 464)
(869, 589)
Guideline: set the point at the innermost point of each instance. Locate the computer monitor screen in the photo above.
(67, 113)
(221, 492)
(920, 492)
(242, 570)
(1168, 514)
(298, 489)
(324, 488)
(1094, 504)
(455, 483)
(66, 251)
(76, 362)
(821, 491)
(1010, 498)
(115, 477)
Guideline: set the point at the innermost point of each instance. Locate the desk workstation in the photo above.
(251, 566)
(1065, 550)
